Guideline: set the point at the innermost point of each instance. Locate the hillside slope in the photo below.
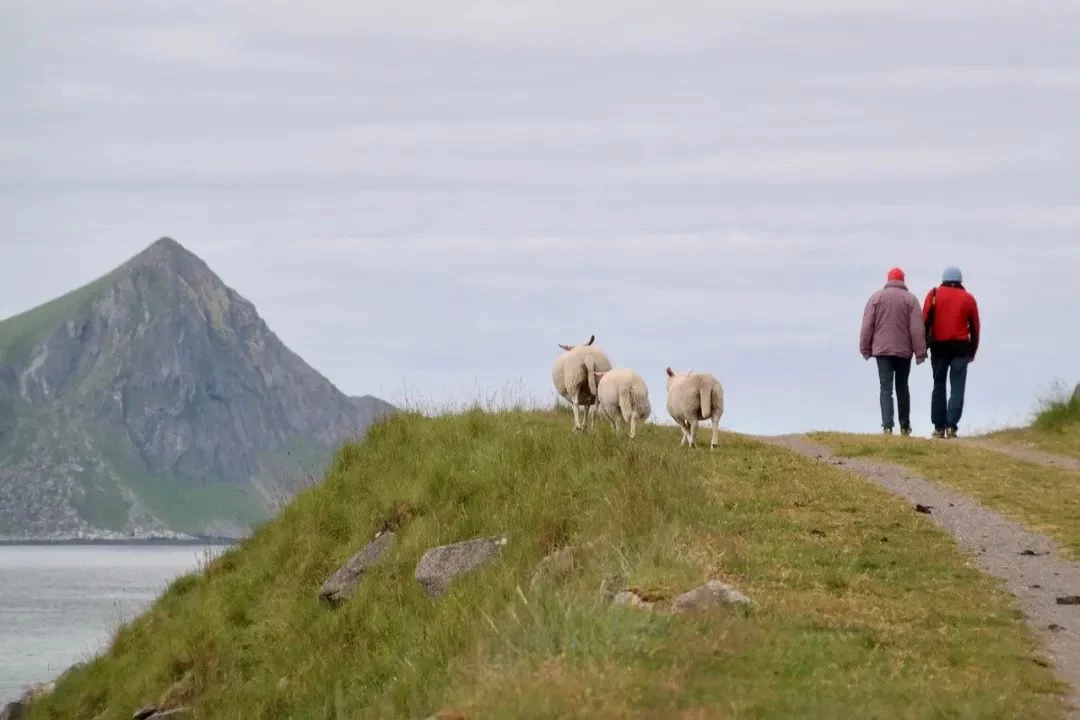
(858, 602)
(156, 400)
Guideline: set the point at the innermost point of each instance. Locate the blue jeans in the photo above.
(946, 414)
(894, 370)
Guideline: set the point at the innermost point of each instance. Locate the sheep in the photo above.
(622, 395)
(573, 375)
(692, 397)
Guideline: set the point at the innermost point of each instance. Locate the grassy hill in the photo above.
(1055, 427)
(859, 602)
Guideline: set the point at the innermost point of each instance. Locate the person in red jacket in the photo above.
(953, 333)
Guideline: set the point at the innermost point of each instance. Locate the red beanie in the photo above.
(896, 274)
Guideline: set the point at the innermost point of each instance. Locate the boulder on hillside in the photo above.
(707, 596)
(439, 566)
(340, 586)
(1076, 394)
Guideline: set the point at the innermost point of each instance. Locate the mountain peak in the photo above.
(157, 397)
(165, 251)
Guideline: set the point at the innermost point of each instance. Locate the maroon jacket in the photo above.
(892, 324)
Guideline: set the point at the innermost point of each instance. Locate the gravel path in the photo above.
(1028, 563)
(1040, 457)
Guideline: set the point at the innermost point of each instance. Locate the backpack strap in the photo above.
(930, 314)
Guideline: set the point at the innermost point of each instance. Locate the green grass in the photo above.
(19, 333)
(182, 505)
(1044, 499)
(859, 602)
(1055, 427)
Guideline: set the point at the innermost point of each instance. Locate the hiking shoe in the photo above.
(938, 434)
(950, 432)
(887, 430)
(905, 431)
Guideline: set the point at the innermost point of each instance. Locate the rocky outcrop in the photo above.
(710, 595)
(158, 373)
(1076, 395)
(439, 566)
(340, 586)
(705, 597)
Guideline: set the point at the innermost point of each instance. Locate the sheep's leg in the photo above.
(715, 431)
(633, 426)
(590, 416)
(691, 431)
(577, 416)
(685, 436)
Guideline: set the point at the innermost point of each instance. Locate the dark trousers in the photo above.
(951, 365)
(894, 370)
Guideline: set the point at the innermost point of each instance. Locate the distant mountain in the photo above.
(155, 400)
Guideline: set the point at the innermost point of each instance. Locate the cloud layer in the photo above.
(431, 196)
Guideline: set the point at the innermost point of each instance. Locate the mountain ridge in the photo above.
(154, 400)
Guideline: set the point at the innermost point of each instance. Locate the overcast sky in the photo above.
(432, 195)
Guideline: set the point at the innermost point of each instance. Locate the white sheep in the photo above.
(623, 396)
(692, 397)
(574, 378)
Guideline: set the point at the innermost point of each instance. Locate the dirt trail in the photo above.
(1019, 452)
(1028, 563)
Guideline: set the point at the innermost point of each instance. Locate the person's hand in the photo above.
(865, 356)
(920, 360)
(971, 359)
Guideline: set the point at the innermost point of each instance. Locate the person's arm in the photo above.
(974, 327)
(866, 334)
(917, 326)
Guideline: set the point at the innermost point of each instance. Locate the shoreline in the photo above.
(197, 541)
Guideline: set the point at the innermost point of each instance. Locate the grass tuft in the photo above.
(859, 602)
(1055, 424)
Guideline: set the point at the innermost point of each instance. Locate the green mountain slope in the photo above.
(859, 604)
(155, 400)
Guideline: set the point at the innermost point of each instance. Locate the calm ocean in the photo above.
(60, 604)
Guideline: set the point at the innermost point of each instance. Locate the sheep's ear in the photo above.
(669, 373)
(564, 347)
(591, 338)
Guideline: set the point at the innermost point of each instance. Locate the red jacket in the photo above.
(956, 316)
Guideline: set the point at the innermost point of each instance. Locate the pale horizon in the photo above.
(434, 198)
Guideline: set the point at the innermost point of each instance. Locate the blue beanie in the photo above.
(952, 274)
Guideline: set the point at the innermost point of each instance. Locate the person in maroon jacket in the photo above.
(892, 331)
(953, 331)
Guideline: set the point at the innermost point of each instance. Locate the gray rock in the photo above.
(709, 595)
(14, 710)
(555, 565)
(174, 714)
(1076, 394)
(628, 598)
(340, 586)
(439, 566)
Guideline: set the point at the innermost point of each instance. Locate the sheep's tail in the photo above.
(706, 400)
(626, 407)
(590, 372)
